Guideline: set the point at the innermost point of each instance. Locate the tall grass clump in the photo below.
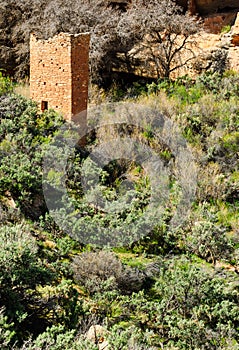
(6, 84)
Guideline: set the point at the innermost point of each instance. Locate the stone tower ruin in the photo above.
(59, 73)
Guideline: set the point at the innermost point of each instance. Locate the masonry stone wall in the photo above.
(59, 73)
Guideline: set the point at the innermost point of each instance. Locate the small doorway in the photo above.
(44, 105)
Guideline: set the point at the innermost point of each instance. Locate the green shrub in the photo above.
(197, 309)
(209, 241)
(20, 272)
(226, 29)
(189, 307)
(209, 82)
(131, 337)
(231, 142)
(5, 84)
(22, 132)
(57, 338)
(7, 332)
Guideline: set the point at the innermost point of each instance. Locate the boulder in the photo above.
(233, 53)
(97, 334)
(235, 32)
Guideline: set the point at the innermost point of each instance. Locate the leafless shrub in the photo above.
(98, 271)
(93, 269)
(166, 42)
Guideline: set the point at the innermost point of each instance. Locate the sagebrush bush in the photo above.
(131, 338)
(21, 270)
(94, 269)
(54, 338)
(17, 254)
(212, 183)
(208, 241)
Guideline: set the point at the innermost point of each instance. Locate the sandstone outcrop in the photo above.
(214, 23)
(96, 334)
(205, 7)
(235, 32)
(233, 53)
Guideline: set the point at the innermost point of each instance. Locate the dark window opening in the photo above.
(44, 105)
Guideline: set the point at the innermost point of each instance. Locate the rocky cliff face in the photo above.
(213, 52)
(205, 7)
(235, 32)
(215, 13)
(214, 23)
(233, 54)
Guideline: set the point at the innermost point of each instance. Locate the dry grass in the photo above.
(23, 89)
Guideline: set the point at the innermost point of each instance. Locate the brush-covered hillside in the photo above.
(107, 266)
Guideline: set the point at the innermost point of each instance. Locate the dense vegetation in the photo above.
(175, 288)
